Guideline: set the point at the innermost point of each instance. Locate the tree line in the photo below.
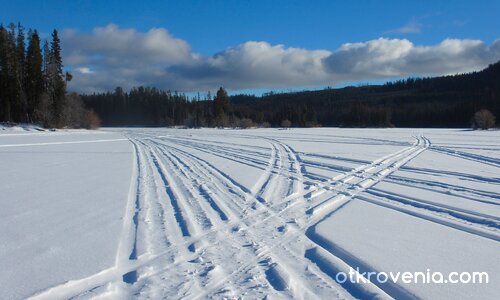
(33, 83)
(149, 106)
(446, 101)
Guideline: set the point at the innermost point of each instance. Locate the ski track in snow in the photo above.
(192, 231)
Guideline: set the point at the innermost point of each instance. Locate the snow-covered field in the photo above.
(172, 213)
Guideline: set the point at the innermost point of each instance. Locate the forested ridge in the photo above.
(447, 101)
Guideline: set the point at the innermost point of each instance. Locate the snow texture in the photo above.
(206, 213)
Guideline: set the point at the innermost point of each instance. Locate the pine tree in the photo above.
(20, 75)
(57, 87)
(13, 81)
(34, 77)
(4, 104)
(21, 50)
(222, 104)
(45, 65)
(55, 53)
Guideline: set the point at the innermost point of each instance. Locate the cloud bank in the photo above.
(111, 56)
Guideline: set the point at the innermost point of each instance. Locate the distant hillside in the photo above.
(448, 101)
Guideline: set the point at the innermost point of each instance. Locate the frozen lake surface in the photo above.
(172, 213)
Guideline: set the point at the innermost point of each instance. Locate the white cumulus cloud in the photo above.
(399, 57)
(111, 56)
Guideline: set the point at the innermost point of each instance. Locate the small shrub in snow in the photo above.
(286, 123)
(246, 123)
(265, 125)
(483, 119)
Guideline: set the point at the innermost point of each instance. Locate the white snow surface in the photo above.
(210, 213)
(63, 195)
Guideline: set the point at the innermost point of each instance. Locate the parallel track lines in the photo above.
(186, 217)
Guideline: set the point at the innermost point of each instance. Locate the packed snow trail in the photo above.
(228, 214)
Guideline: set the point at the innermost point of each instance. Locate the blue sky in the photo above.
(207, 34)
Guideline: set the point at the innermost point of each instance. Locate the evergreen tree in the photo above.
(4, 104)
(45, 65)
(21, 50)
(55, 54)
(13, 80)
(222, 104)
(20, 76)
(57, 86)
(34, 76)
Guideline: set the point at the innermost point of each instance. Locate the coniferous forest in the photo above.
(33, 90)
(448, 101)
(33, 83)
